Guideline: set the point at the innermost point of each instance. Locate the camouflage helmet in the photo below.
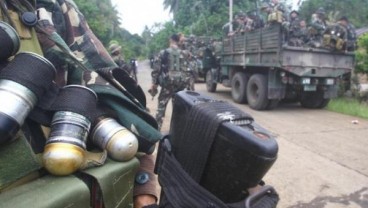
(320, 10)
(113, 48)
(241, 14)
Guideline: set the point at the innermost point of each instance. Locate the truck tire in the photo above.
(239, 87)
(313, 100)
(257, 89)
(324, 103)
(210, 83)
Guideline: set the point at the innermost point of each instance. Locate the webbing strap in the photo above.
(200, 130)
(180, 190)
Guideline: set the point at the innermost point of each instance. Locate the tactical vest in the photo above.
(173, 68)
(27, 35)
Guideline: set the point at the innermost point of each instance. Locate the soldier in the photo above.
(237, 24)
(294, 38)
(276, 12)
(351, 36)
(116, 55)
(189, 61)
(171, 76)
(257, 19)
(317, 27)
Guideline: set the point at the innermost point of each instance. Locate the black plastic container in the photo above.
(240, 156)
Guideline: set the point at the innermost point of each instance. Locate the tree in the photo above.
(362, 55)
(104, 21)
(355, 10)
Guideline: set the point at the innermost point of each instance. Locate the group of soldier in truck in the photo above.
(321, 32)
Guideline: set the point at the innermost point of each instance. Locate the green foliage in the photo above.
(362, 55)
(355, 10)
(103, 20)
(101, 17)
(349, 106)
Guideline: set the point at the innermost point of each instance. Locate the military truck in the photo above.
(262, 70)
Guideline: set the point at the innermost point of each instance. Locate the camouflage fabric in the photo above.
(351, 44)
(172, 76)
(273, 9)
(67, 31)
(317, 27)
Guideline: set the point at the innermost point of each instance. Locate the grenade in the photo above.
(65, 148)
(120, 143)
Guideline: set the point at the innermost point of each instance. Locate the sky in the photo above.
(136, 14)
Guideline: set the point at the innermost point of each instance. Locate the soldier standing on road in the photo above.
(170, 76)
(189, 61)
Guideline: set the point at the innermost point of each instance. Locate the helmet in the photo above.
(294, 11)
(113, 48)
(241, 14)
(320, 10)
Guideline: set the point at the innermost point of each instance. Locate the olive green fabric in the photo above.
(28, 36)
(116, 181)
(48, 191)
(17, 160)
(132, 117)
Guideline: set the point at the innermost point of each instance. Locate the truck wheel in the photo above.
(257, 92)
(313, 100)
(210, 83)
(324, 103)
(239, 87)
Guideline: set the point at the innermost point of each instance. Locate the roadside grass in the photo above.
(349, 106)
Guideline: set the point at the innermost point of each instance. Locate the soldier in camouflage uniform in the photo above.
(189, 61)
(116, 55)
(351, 36)
(277, 12)
(295, 36)
(317, 27)
(171, 76)
(62, 19)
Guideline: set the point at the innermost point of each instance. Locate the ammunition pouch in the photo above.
(276, 16)
(333, 42)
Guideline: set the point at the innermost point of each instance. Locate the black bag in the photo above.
(215, 152)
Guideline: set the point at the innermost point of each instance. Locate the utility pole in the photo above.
(231, 15)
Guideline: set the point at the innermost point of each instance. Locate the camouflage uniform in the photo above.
(171, 76)
(295, 36)
(190, 65)
(273, 9)
(69, 27)
(317, 28)
(351, 44)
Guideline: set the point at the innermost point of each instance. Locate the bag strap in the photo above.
(180, 190)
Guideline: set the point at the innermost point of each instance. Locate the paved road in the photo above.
(323, 156)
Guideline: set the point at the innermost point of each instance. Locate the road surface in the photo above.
(323, 157)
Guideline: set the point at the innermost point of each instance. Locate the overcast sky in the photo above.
(136, 14)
